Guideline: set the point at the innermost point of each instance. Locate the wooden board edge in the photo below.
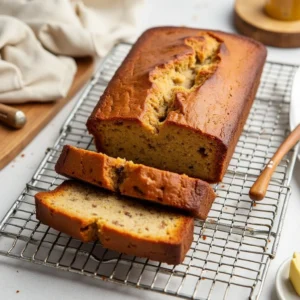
(269, 38)
(9, 156)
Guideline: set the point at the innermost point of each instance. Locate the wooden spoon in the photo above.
(12, 117)
(259, 188)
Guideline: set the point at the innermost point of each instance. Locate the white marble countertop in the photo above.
(36, 282)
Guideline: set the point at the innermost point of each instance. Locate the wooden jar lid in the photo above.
(250, 19)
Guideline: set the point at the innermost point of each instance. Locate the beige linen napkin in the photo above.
(64, 28)
(27, 71)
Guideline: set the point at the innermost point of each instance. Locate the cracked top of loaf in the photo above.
(194, 78)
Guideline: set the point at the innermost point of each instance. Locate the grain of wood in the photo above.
(13, 141)
(251, 20)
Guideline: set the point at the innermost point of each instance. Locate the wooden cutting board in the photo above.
(250, 19)
(13, 141)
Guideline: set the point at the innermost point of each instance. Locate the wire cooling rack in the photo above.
(231, 251)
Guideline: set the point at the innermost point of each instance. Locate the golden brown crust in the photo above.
(81, 229)
(89, 166)
(135, 180)
(217, 109)
(235, 73)
(171, 251)
(180, 191)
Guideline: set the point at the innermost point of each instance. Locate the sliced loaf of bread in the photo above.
(115, 174)
(142, 229)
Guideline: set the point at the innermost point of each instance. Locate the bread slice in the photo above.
(142, 229)
(115, 174)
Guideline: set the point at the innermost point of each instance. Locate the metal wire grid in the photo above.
(231, 251)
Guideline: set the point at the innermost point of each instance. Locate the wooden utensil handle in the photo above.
(11, 116)
(260, 186)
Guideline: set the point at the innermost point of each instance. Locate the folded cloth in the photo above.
(27, 71)
(36, 37)
(74, 27)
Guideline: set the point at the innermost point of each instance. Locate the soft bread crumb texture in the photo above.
(89, 213)
(127, 178)
(174, 81)
(180, 100)
(184, 151)
(99, 207)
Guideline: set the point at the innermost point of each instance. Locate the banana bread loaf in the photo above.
(115, 174)
(179, 100)
(89, 213)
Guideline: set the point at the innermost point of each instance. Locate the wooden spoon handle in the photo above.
(260, 186)
(12, 117)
